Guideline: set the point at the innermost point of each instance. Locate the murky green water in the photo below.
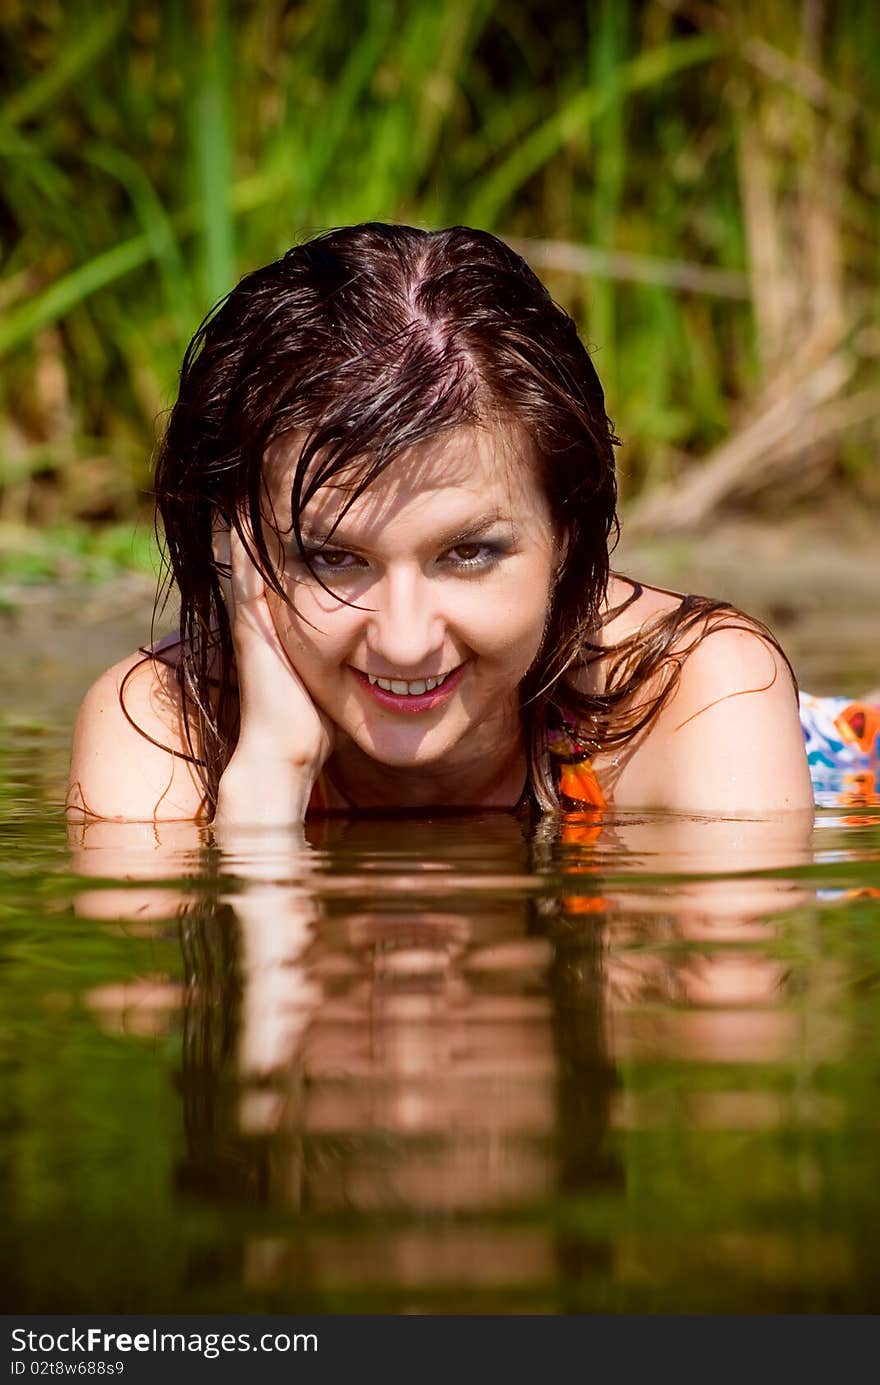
(460, 1064)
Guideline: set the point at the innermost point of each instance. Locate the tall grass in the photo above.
(152, 151)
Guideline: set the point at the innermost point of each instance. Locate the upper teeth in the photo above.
(397, 685)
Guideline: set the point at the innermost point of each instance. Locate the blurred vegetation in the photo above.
(696, 182)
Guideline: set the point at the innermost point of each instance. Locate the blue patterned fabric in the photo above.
(842, 740)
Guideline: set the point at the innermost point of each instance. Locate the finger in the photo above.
(274, 698)
(254, 630)
(221, 548)
(247, 581)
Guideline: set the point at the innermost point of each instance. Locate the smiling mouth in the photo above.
(411, 695)
(401, 688)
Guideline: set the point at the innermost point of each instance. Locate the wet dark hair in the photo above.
(369, 340)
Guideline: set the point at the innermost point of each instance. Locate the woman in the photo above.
(387, 490)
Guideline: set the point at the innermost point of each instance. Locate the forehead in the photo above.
(444, 479)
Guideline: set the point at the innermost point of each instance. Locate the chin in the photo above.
(400, 755)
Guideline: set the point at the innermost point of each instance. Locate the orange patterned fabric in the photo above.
(579, 782)
(859, 724)
(576, 777)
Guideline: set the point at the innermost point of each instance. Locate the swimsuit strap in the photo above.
(319, 800)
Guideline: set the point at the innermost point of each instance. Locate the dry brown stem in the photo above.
(776, 442)
(685, 275)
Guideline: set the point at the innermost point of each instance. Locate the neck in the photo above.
(491, 773)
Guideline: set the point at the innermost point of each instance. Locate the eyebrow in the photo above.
(474, 529)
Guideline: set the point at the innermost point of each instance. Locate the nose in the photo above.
(406, 630)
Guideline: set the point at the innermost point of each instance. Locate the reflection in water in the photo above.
(465, 1063)
(414, 1080)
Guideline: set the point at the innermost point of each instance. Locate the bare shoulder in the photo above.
(729, 738)
(129, 747)
(633, 606)
(720, 650)
(732, 656)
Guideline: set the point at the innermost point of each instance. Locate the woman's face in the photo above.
(448, 560)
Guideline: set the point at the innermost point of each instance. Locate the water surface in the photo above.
(461, 1063)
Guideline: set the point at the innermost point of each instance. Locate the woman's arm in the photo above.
(284, 738)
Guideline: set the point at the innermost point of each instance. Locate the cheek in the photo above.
(507, 626)
(313, 637)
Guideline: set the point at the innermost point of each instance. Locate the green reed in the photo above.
(153, 151)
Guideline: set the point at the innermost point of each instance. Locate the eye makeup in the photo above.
(329, 554)
(341, 561)
(487, 556)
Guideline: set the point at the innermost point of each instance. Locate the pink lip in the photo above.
(423, 702)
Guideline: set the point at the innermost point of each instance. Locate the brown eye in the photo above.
(473, 557)
(336, 558)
